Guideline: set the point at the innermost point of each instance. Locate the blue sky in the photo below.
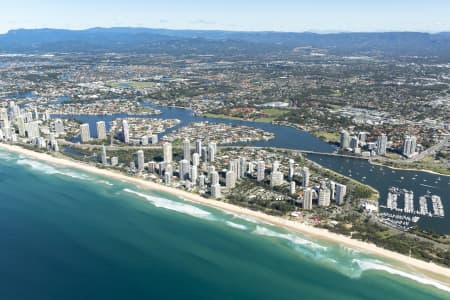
(277, 15)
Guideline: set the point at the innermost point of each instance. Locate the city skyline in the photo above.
(286, 15)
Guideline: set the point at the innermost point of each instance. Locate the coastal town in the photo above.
(206, 132)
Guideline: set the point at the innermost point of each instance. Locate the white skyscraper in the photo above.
(291, 169)
(167, 151)
(144, 140)
(215, 191)
(292, 188)
(101, 130)
(85, 133)
(168, 173)
(212, 152)
(382, 144)
(235, 167)
(260, 170)
(344, 140)
(32, 129)
(243, 166)
(103, 156)
(230, 180)
(276, 178)
(324, 197)
(184, 169)
(214, 177)
(409, 146)
(307, 199)
(340, 191)
(275, 166)
(154, 139)
(305, 174)
(196, 159)
(187, 150)
(140, 161)
(194, 174)
(58, 126)
(125, 132)
(198, 147)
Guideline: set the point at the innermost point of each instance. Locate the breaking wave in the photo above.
(106, 182)
(235, 225)
(174, 205)
(47, 169)
(367, 265)
(288, 236)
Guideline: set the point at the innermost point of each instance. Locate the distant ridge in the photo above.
(125, 39)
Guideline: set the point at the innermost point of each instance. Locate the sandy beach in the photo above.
(406, 263)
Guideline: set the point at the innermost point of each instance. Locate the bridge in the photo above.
(298, 151)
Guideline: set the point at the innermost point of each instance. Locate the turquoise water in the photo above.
(72, 235)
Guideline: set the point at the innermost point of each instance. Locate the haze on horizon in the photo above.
(251, 15)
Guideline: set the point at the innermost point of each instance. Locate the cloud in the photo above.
(163, 21)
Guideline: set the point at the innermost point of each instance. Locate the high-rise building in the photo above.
(215, 191)
(214, 178)
(235, 168)
(194, 174)
(344, 139)
(292, 188)
(168, 173)
(308, 198)
(212, 152)
(58, 126)
(196, 159)
(184, 169)
(198, 147)
(260, 170)
(242, 167)
(201, 181)
(144, 140)
(230, 180)
(340, 191)
(167, 151)
(204, 154)
(32, 129)
(382, 144)
(324, 197)
(140, 161)
(275, 166)
(103, 156)
(20, 125)
(154, 139)
(291, 169)
(362, 137)
(187, 150)
(305, 174)
(276, 178)
(409, 146)
(125, 132)
(85, 133)
(354, 142)
(101, 130)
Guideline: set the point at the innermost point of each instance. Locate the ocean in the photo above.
(66, 234)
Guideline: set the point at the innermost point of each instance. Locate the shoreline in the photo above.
(405, 263)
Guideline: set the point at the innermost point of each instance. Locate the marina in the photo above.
(402, 218)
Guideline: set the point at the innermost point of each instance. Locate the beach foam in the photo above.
(287, 236)
(235, 225)
(368, 265)
(174, 205)
(106, 182)
(47, 169)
